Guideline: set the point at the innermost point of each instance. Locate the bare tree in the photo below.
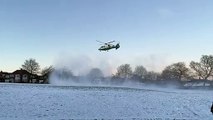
(204, 68)
(152, 76)
(176, 71)
(124, 71)
(95, 73)
(46, 73)
(47, 70)
(31, 66)
(140, 71)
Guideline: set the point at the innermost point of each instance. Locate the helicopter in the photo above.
(108, 45)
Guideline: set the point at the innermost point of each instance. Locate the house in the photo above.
(2, 75)
(22, 76)
(6, 77)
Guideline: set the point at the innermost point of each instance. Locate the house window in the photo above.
(24, 77)
(11, 75)
(17, 77)
(7, 76)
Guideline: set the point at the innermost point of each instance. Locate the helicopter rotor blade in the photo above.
(100, 42)
(111, 41)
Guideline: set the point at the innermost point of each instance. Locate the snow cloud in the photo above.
(81, 64)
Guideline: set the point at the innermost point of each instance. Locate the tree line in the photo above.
(202, 70)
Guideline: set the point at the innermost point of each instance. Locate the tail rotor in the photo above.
(117, 46)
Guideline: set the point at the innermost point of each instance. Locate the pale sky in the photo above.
(153, 33)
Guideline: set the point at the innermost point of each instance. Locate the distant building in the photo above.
(5, 77)
(21, 76)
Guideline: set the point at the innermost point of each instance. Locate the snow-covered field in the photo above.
(25, 102)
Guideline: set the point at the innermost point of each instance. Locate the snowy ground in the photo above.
(24, 102)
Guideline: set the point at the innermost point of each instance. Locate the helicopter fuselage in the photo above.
(108, 47)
